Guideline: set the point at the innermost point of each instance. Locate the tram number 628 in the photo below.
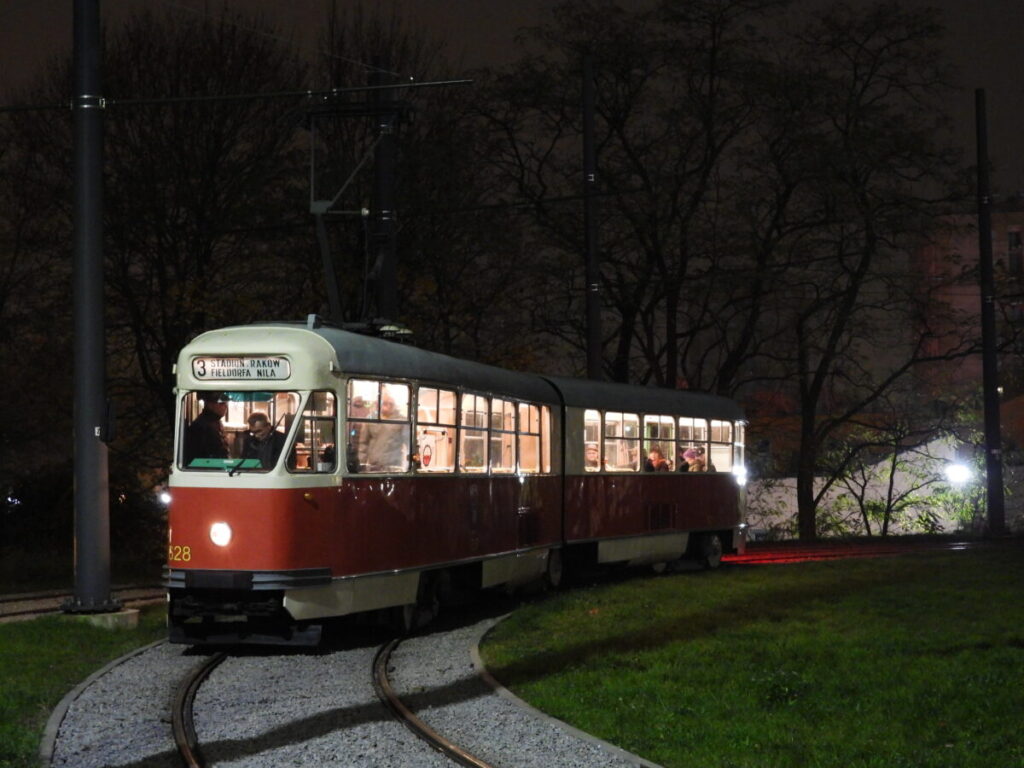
(179, 554)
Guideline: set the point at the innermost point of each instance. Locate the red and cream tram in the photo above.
(320, 473)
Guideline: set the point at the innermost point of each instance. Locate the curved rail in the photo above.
(181, 715)
(402, 713)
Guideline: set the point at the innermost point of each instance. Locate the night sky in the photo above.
(985, 44)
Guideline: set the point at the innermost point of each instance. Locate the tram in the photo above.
(321, 473)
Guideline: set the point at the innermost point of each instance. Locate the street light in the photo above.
(958, 474)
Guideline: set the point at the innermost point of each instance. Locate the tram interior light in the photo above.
(958, 474)
(220, 534)
(740, 473)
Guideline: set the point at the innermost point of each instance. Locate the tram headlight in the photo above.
(740, 473)
(165, 498)
(220, 534)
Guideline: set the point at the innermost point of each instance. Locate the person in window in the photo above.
(382, 446)
(591, 457)
(656, 461)
(205, 438)
(695, 459)
(263, 441)
(682, 465)
(358, 409)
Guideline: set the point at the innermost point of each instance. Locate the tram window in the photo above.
(660, 434)
(503, 436)
(435, 430)
(693, 439)
(591, 441)
(214, 428)
(529, 438)
(545, 438)
(473, 434)
(739, 444)
(378, 426)
(315, 448)
(721, 446)
(622, 442)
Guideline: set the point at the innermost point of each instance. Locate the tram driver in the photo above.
(263, 442)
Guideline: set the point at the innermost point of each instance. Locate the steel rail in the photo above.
(182, 724)
(406, 716)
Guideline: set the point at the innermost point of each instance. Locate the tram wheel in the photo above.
(410, 617)
(710, 551)
(553, 569)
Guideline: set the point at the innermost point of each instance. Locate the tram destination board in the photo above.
(264, 368)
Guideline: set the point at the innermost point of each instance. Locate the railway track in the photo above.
(190, 749)
(31, 605)
(182, 724)
(409, 719)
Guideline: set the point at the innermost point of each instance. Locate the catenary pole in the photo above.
(92, 520)
(593, 292)
(990, 370)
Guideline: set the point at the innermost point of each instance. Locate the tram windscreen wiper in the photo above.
(243, 464)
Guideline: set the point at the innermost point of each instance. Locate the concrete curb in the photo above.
(49, 740)
(481, 670)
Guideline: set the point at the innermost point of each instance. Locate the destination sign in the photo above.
(241, 368)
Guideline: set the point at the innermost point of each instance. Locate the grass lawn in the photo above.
(915, 660)
(41, 660)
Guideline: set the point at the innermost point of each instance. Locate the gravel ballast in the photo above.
(293, 708)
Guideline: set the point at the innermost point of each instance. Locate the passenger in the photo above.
(592, 457)
(357, 409)
(695, 459)
(681, 463)
(382, 446)
(263, 441)
(205, 438)
(656, 461)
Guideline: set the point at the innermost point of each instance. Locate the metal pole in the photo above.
(990, 370)
(593, 279)
(386, 266)
(92, 519)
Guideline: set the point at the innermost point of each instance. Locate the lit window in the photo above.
(378, 426)
(435, 430)
(473, 434)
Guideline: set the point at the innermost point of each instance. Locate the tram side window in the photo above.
(214, 432)
(529, 438)
(503, 436)
(622, 442)
(739, 444)
(473, 434)
(378, 426)
(659, 443)
(435, 429)
(721, 446)
(315, 448)
(545, 438)
(592, 441)
(693, 444)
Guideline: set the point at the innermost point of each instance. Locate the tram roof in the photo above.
(371, 356)
(375, 357)
(609, 396)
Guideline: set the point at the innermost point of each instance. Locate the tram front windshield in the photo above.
(244, 431)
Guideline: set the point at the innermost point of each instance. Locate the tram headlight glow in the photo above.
(165, 498)
(220, 534)
(740, 473)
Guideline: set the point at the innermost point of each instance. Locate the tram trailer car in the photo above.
(320, 473)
